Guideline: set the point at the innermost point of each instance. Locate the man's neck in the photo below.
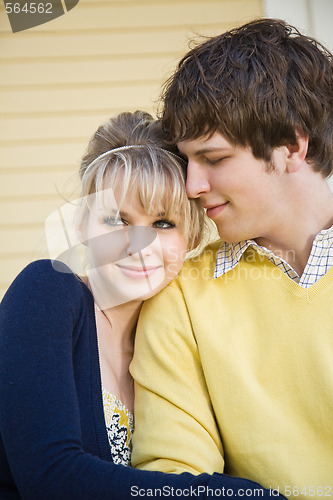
(297, 258)
(293, 239)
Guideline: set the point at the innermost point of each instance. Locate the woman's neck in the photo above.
(115, 328)
(121, 322)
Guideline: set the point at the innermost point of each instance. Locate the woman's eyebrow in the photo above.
(121, 213)
(126, 214)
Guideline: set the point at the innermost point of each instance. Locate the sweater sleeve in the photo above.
(175, 428)
(39, 412)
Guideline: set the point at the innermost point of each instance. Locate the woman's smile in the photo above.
(138, 272)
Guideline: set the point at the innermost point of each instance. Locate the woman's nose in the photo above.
(140, 239)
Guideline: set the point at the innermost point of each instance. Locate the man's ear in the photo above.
(297, 152)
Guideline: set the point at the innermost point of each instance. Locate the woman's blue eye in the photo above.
(113, 221)
(164, 224)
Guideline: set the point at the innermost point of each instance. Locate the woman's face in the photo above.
(133, 255)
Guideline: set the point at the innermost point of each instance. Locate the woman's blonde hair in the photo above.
(130, 152)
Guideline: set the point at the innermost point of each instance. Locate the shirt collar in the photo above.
(229, 254)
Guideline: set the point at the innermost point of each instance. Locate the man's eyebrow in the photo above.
(210, 149)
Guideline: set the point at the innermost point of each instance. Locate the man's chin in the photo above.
(229, 238)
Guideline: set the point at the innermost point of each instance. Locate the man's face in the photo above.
(240, 195)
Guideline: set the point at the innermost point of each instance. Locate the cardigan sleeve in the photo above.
(175, 427)
(39, 411)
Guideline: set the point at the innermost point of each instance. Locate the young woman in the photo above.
(66, 341)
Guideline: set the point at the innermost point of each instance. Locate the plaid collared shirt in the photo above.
(320, 260)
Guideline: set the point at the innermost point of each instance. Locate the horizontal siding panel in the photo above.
(26, 212)
(45, 156)
(37, 184)
(136, 3)
(28, 128)
(109, 70)
(29, 241)
(46, 101)
(141, 15)
(98, 45)
(108, 111)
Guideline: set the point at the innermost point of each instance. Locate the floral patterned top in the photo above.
(120, 426)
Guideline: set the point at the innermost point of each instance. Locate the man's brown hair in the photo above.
(256, 85)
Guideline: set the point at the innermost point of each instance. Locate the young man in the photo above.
(234, 360)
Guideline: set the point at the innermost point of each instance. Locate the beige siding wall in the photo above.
(60, 80)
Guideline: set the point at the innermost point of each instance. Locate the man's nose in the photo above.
(197, 182)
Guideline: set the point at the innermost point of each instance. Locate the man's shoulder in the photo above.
(204, 261)
(196, 273)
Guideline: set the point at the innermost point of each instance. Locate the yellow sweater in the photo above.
(236, 375)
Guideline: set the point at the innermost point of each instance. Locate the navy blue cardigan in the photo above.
(53, 441)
